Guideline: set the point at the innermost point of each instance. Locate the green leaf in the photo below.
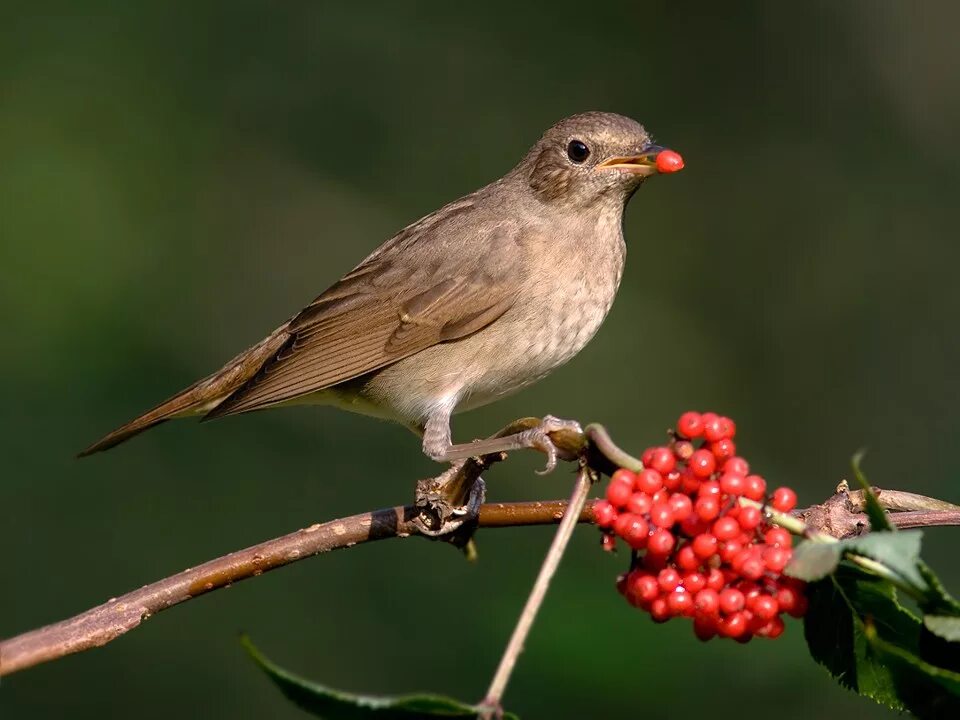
(899, 551)
(947, 627)
(925, 690)
(940, 601)
(814, 560)
(876, 514)
(834, 631)
(324, 702)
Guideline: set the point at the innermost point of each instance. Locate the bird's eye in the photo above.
(577, 151)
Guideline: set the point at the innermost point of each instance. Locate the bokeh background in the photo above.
(176, 178)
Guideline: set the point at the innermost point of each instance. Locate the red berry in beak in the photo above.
(669, 161)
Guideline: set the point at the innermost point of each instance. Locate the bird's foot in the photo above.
(526, 433)
(538, 438)
(448, 505)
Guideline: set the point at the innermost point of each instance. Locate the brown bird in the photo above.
(466, 305)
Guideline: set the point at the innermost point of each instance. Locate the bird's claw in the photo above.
(438, 518)
(539, 438)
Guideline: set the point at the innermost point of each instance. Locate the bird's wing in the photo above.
(399, 301)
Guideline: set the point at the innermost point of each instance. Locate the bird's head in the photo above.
(592, 158)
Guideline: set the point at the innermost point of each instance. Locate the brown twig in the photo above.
(117, 616)
(491, 703)
(838, 516)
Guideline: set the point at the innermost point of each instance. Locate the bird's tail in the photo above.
(201, 397)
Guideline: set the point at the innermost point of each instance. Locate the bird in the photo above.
(464, 306)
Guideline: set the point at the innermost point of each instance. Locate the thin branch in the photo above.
(117, 616)
(498, 685)
(102, 624)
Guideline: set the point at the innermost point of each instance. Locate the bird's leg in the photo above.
(438, 444)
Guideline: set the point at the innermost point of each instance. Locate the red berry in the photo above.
(647, 456)
(716, 580)
(671, 481)
(709, 487)
(731, 601)
(604, 513)
(639, 503)
(669, 161)
(694, 582)
(755, 487)
(732, 484)
(659, 610)
(752, 567)
(776, 558)
(642, 586)
(707, 507)
(778, 536)
(733, 626)
(686, 558)
(707, 601)
(622, 522)
(728, 426)
(749, 517)
(704, 545)
(668, 579)
(680, 602)
(710, 419)
(683, 449)
(702, 463)
(636, 532)
(737, 465)
(773, 629)
(649, 481)
(764, 607)
(723, 449)
(681, 505)
(690, 424)
(623, 475)
(661, 460)
(618, 492)
(660, 542)
(784, 499)
(726, 528)
(660, 496)
(729, 550)
(661, 515)
(788, 599)
(693, 526)
(704, 627)
(689, 483)
(800, 608)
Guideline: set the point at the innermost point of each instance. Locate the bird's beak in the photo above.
(643, 165)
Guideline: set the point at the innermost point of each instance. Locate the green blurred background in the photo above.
(179, 177)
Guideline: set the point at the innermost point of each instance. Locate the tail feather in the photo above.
(179, 405)
(200, 397)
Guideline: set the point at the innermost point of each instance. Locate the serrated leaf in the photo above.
(940, 601)
(925, 690)
(876, 514)
(330, 704)
(834, 631)
(945, 626)
(813, 561)
(899, 551)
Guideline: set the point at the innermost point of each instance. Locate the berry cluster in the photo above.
(699, 552)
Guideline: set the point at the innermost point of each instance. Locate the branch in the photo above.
(840, 516)
(117, 616)
(498, 685)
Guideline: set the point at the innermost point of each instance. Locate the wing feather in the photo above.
(383, 311)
